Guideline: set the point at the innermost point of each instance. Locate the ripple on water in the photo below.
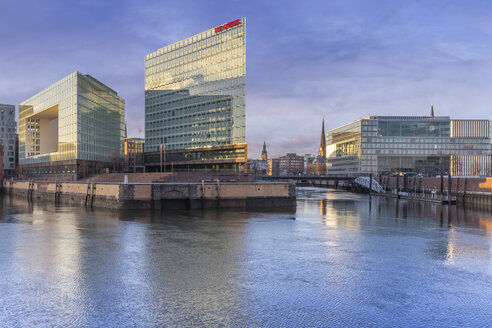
(346, 260)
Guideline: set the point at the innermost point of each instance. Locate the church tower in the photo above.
(264, 155)
(322, 143)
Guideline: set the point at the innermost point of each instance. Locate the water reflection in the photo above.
(454, 220)
(346, 260)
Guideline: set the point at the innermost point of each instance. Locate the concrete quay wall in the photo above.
(251, 196)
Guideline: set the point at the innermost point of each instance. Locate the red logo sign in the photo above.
(227, 25)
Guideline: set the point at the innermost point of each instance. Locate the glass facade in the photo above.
(383, 144)
(413, 128)
(8, 129)
(220, 158)
(343, 148)
(77, 118)
(195, 91)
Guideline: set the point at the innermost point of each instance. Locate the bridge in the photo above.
(308, 178)
(335, 181)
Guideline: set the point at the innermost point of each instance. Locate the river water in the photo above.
(342, 260)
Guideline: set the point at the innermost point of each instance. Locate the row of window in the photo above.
(201, 59)
(192, 44)
(425, 152)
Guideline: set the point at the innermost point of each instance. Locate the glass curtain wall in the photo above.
(89, 122)
(195, 90)
(64, 95)
(100, 121)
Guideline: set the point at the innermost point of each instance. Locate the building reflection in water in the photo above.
(357, 213)
(194, 250)
(343, 254)
(153, 257)
(45, 248)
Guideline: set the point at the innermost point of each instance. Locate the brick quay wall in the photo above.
(245, 195)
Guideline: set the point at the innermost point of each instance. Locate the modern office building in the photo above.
(71, 130)
(426, 145)
(16, 152)
(8, 129)
(133, 150)
(195, 101)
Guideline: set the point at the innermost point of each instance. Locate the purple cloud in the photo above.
(341, 60)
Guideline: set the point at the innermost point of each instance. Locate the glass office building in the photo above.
(421, 144)
(195, 100)
(8, 129)
(72, 129)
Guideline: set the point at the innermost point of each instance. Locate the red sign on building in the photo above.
(227, 25)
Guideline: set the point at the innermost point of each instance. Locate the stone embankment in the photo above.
(246, 195)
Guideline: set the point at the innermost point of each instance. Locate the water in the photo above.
(343, 261)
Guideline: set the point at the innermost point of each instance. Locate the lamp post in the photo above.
(162, 151)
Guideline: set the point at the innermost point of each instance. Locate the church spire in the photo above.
(322, 143)
(432, 110)
(264, 155)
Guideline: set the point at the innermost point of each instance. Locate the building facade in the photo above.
(273, 167)
(8, 130)
(291, 164)
(1, 163)
(71, 130)
(427, 145)
(133, 151)
(195, 100)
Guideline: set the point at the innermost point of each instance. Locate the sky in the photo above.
(306, 60)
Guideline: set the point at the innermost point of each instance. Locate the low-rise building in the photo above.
(291, 164)
(273, 167)
(133, 150)
(1, 163)
(8, 129)
(427, 145)
(256, 166)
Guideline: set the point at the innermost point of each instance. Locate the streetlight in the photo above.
(162, 148)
